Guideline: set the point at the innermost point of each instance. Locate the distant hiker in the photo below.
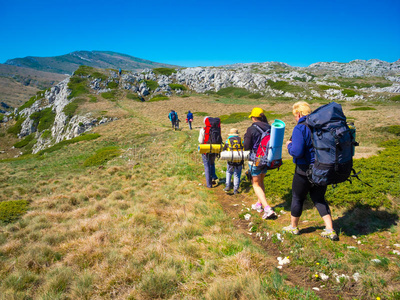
(300, 146)
(233, 143)
(119, 72)
(252, 139)
(210, 134)
(189, 119)
(173, 117)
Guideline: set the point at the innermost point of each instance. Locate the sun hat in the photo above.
(256, 112)
(234, 131)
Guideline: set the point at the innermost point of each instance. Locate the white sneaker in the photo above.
(257, 207)
(269, 214)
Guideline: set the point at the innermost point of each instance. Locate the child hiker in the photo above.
(233, 143)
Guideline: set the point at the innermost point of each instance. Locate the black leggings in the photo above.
(300, 188)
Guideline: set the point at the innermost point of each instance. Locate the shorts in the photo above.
(255, 171)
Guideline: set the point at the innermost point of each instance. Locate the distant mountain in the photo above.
(68, 63)
(18, 84)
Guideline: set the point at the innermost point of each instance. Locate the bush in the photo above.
(70, 109)
(164, 71)
(234, 118)
(133, 97)
(395, 98)
(284, 86)
(12, 210)
(349, 93)
(99, 76)
(16, 129)
(44, 118)
(25, 141)
(176, 86)
(102, 156)
(109, 95)
(112, 85)
(84, 71)
(1, 117)
(83, 137)
(328, 87)
(255, 96)
(158, 98)
(77, 86)
(151, 84)
(363, 108)
(233, 92)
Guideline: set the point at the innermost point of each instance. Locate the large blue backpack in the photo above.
(333, 143)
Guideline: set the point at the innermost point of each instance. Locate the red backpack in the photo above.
(212, 131)
(260, 151)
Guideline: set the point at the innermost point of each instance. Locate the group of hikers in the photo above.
(173, 117)
(300, 147)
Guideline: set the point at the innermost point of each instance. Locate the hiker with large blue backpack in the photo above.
(322, 146)
(252, 139)
(173, 117)
(210, 134)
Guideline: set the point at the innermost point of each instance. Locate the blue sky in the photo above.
(204, 33)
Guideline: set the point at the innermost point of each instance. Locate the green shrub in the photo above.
(349, 93)
(151, 84)
(70, 109)
(92, 99)
(164, 71)
(83, 137)
(234, 118)
(29, 103)
(44, 119)
(12, 210)
(25, 141)
(99, 76)
(393, 129)
(16, 128)
(201, 113)
(363, 108)
(255, 96)
(77, 86)
(158, 98)
(1, 117)
(395, 98)
(109, 95)
(284, 86)
(102, 156)
(233, 92)
(46, 134)
(302, 79)
(176, 86)
(112, 85)
(133, 97)
(328, 87)
(84, 71)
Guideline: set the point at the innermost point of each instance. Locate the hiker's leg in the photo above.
(236, 177)
(317, 194)
(300, 188)
(258, 186)
(229, 171)
(212, 163)
(207, 170)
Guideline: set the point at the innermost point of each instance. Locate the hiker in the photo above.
(173, 117)
(210, 134)
(119, 72)
(300, 146)
(233, 143)
(252, 139)
(189, 119)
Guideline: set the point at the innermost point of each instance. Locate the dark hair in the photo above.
(262, 118)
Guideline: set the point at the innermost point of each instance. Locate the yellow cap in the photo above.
(256, 112)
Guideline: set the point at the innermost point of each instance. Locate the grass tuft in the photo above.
(102, 156)
(10, 211)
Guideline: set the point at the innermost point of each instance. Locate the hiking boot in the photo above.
(235, 192)
(290, 229)
(227, 189)
(330, 235)
(269, 214)
(257, 207)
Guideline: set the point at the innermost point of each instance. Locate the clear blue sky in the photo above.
(206, 32)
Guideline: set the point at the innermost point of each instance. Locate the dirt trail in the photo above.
(295, 275)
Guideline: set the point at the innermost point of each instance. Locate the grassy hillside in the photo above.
(68, 63)
(126, 215)
(18, 84)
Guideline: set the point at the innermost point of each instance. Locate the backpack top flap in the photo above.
(212, 131)
(329, 113)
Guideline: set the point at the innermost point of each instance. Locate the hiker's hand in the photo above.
(287, 143)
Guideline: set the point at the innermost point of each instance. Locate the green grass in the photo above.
(70, 109)
(362, 108)
(10, 211)
(44, 118)
(99, 75)
(16, 128)
(1, 117)
(393, 129)
(78, 87)
(133, 96)
(109, 95)
(24, 141)
(46, 134)
(84, 71)
(201, 114)
(102, 156)
(176, 86)
(234, 118)
(233, 92)
(151, 84)
(350, 93)
(285, 86)
(83, 137)
(328, 87)
(164, 71)
(92, 99)
(158, 98)
(395, 98)
(112, 85)
(33, 99)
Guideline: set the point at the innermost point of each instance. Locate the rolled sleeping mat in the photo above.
(235, 156)
(276, 141)
(209, 148)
